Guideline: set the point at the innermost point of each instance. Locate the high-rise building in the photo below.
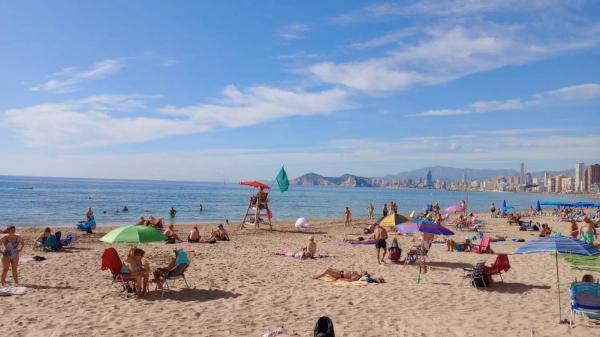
(522, 175)
(528, 179)
(592, 176)
(579, 169)
(558, 183)
(429, 179)
(546, 176)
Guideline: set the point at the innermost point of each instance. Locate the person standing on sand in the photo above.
(380, 235)
(347, 216)
(89, 214)
(587, 231)
(12, 246)
(385, 210)
(371, 210)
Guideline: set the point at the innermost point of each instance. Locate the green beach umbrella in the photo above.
(133, 234)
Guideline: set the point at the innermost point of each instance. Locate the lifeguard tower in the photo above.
(258, 204)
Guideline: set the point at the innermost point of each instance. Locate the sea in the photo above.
(40, 201)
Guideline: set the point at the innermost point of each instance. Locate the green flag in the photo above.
(282, 180)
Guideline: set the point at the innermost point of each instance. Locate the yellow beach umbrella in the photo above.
(392, 220)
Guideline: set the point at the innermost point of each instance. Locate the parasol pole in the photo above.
(558, 286)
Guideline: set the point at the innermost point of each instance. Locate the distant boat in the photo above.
(24, 188)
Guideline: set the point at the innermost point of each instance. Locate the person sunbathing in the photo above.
(172, 237)
(545, 230)
(459, 246)
(220, 234)
(194, 235)
(136, 269)
(181, 257)
(142, 221)
(588, 278)
(156, 223)
(43, 237)
(341, 275)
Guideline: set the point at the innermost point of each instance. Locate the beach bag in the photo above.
(324, 327)
(394, 253)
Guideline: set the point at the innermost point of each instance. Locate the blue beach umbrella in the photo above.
(505, 209)
(558, 244)
(538, 207)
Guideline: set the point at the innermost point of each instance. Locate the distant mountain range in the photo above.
(443, 173)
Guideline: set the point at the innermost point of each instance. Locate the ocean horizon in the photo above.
(53, 201)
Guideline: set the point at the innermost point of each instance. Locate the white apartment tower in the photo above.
(579, 169)
(522, 175)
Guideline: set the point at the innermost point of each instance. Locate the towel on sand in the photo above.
(338, 282)
(7, 291)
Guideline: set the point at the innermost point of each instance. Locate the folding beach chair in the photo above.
(585, 301)
(477, 276)
(501, 264)
(52, 243)
(112, 261)
(484, 246)
(175, 273)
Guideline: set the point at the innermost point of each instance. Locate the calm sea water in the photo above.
(32, 201)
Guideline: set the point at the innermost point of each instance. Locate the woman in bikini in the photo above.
(134, 267)
(13, 245)
(341, 275)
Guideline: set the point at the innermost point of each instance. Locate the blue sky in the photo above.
(205, 90)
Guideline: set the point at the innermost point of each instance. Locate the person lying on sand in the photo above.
(350, 276)
(220, 234)
(156, 223)
(172, 237)
(459, 246)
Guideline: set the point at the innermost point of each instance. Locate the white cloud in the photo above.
(293, 31)
(112, 119)
(575, 93)
(386, 39)
(68, 79)
(359, 156)
(446, 53)
(446, 8)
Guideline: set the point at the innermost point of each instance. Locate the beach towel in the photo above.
(337, 282)
(69, 239)
(8, 291)
(359, 242)
(298, 255)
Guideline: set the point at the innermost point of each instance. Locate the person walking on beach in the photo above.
(371, 210)
(347, 216)
(385, 210)
(394, 207)
(12, 246)
(380, 235)
(493, 209)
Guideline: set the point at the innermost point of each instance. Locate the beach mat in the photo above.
(356, 242)
(292, 256)
(8, 291)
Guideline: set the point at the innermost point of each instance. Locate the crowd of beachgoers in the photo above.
(384, 231)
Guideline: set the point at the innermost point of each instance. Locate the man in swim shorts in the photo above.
(380, 235)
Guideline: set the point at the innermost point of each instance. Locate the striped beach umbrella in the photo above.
(423, 226)
(558, 244)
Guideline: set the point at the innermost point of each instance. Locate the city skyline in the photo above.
(220, 91)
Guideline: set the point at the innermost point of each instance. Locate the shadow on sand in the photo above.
(451, 265)
(39, 286)
(191, 295)
(514, 288)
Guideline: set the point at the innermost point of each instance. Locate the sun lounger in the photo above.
(585, 300)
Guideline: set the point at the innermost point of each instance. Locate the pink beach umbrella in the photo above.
(454, 209)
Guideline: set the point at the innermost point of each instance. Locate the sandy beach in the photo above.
(239, 288)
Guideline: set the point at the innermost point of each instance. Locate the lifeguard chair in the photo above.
(258, 204)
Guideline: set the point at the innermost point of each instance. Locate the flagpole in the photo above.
(558, 287)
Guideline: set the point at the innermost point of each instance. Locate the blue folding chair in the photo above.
(585, 301)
